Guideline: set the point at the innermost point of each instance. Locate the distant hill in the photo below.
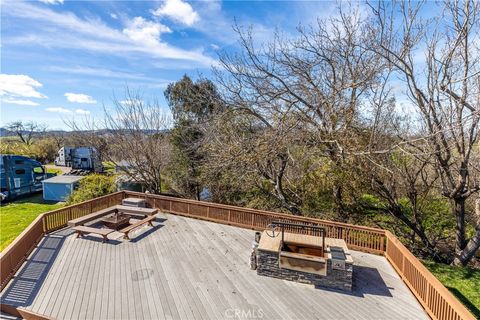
(7, 133)
(4, 132)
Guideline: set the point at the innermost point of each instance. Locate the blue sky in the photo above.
(67, 59)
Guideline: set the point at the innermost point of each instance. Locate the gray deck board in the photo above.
(254, 295)
(273, 292)
(191, 269)
(206, 282)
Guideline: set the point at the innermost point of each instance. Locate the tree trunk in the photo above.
(284, 199)
(338, 199)
(459, 212)
(417, 231)
(280, 193)
(464, 256)
(197, 192)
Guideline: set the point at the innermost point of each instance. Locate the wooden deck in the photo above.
(190, 269)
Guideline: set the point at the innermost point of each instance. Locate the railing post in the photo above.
(229, 215)
(44, 224)
(386, 245)
(208, 212)
(383, 239)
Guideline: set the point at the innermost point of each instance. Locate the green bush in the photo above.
(57, 172)
(92, 186)
(43, 150)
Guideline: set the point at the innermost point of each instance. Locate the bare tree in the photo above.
(137, 134)
(26, 131)
(445, 90)
(88, 131)
(257, 154)
(132, 136)
(318, 79)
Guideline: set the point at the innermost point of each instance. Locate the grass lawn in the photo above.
(16, 216)
(56, 171)
(464, 283)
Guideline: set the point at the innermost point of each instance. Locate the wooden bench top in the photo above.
(134, 200)
(91, 217)
(138, 223)
(133, 210)
(85, 229)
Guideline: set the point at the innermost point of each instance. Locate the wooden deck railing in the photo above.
(438, 302)
(17, 252)
(357, 237)
(58, 219)
(432, 294)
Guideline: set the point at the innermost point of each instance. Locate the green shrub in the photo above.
(57, 172)
(43, 150)
(92, 186)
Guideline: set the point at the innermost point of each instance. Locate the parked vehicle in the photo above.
(81, 158)
(64, 158)
(20, 175)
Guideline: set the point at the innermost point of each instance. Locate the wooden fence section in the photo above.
(58, 219)
(13, 256)
(432, 294)
(357, 237)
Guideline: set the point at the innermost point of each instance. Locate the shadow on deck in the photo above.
(24, 287)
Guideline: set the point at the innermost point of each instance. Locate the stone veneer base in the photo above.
(268, 265)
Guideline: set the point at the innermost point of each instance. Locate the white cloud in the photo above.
(140, 30)
(179, 11)
(59, 110)
(113, 16)
(136, 79)
(79, 98)
(52, 1)
(94, 35)
(131, 102)
(19, 85)
(67, 111)
(20, 102)
(99, 72)
(82, 111)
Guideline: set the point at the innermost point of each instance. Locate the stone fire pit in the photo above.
(305, 259)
